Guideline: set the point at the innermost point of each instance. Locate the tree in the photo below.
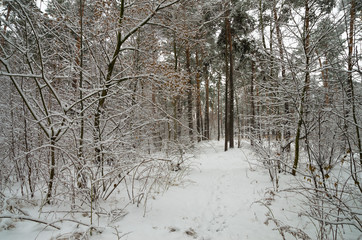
(350, 87)
(56, 112)
(304, 95)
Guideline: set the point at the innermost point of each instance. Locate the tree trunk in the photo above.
(207, 104)
(305, 87)
(252, 102)
(350, 89)
(261, 19)
(176, 99)
(231, 88)
(175, 122)
(52, 170)
(238, 121)
(27, 150)
(189, 95)
(81, 137)
(227, 75)
(198, 99)
(104, 92)
(218, 109)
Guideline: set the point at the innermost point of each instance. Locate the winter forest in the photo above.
(179, 119)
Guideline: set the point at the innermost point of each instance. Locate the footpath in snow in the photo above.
(224, 196)
(217, 202)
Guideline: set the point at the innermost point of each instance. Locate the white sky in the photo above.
(42, 4)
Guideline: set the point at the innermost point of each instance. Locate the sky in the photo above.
(41, 4)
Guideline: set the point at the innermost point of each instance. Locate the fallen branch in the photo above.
(29, 219)
(72, 220)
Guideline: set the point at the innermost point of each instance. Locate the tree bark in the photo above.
(198, 99)
(231, 86)
(176, 99)
(80, 63)
(104, 92)
(252, 102)
(238, 121)
(218, 109)
(52, 170)
(207, 104)
(305, 87)
(227, 75)
(189, 95)
(350, 89)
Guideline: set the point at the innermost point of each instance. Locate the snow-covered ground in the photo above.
(226, 195)
(217, 202)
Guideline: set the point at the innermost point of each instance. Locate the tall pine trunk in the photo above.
(252, 103)
(350, 88)
(218, 109)
(226, 86)
(207, 103)
(198, 99)
(189, 95)
(231, 87)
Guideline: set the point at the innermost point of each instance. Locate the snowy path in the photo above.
(217, 203)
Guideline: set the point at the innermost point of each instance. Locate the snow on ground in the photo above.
(218, 202)
(220, 199)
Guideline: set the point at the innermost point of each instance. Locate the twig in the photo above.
(29, 219)
(72, 220)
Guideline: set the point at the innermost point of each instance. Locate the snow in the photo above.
(215, 201)
(224, 196)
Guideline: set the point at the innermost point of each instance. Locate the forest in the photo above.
(103, 98)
